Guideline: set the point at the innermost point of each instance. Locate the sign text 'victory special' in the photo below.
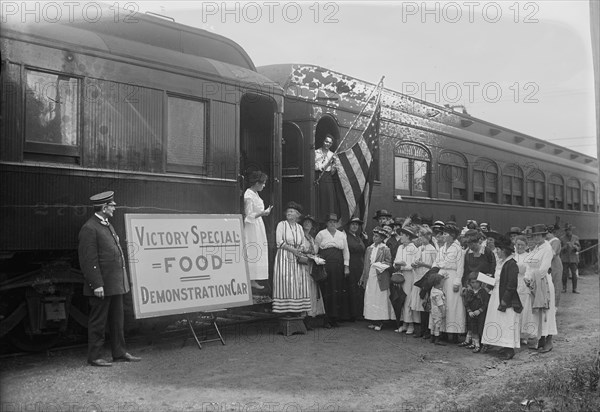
(186, 263)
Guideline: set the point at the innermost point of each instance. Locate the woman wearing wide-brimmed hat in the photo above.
(291, 291)
(450, 260)
(332, 245)
(356, 247)
(377, 306)
(406, 255)
(537, 276)
(502, 319)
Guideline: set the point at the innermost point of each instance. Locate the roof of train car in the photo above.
(340, 91)
(152, 41)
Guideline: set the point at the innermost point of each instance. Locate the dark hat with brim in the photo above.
(332, 216)
(295, 206)
(472, 234)
(309, 217)
(408, 232)
(452, 229)
(515, 230)
(505, 244)
(493, 234)
(382, 213)
(539, 229)
(104, 198)
(356, 220)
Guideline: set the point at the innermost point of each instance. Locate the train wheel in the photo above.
(31, 343)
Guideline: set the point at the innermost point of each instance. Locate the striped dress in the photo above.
(291, 289)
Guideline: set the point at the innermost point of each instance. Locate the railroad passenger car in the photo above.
(433, 160)
(167, 116)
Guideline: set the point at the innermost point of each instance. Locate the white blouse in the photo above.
(324, 240)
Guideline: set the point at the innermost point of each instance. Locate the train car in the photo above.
(167, 116)
(433, 160)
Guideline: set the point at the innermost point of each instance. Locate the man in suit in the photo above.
(103, 265)
(569, 254)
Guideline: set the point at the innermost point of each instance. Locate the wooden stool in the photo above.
(289, 325)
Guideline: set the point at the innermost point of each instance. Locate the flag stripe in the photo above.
(357, 171)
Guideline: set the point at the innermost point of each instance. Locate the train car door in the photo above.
(258, 134)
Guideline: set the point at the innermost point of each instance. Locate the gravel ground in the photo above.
(347, 368)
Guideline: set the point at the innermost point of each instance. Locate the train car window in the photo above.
(412, 170)
(186, 139)
(588, 198)
(512, 185)
(485, 181)
(452, 176)
(573, 194)
(535, 188)
(292, 150)
(52, 110)
(556, 188)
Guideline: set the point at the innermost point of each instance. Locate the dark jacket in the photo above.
(101, 259)
(569, 249)
(485, 263)
(477, 300)
(508, 286)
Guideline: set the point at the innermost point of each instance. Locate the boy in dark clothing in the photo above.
(476, 301)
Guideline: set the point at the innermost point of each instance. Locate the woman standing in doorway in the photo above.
(254, 229)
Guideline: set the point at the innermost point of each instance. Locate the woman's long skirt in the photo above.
(334, 290)
(529, 324)
(501, 328)
(356, 294)
(291, 290)
(377, 302)
(317, 307)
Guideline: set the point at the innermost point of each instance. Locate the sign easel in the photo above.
(213, 323)
(185, 264)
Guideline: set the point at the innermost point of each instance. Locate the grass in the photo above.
(565, 385)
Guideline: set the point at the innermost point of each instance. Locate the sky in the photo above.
(525, 65)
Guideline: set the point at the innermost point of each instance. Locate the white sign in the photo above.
(186, 263)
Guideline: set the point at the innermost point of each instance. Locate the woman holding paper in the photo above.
(378, 258)
(478, 258)
(502, 318)
(254, 229)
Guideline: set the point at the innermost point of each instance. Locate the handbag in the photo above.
(303, 259)
(397, 278)
(318, 273)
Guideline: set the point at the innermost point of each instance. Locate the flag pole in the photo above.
(378, 87)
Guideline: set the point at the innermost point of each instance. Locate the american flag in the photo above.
(359, 167)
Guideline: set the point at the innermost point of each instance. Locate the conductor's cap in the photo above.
(104, 198)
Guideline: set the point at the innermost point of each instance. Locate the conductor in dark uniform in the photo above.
(103, 264)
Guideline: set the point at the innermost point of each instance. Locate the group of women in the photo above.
(376, 280)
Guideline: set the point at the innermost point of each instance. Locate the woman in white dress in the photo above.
(502, 317)
(528, 324)
(428, 254)
(378, 258)
(291, 291)
(406, 255)
(257, 250)
(450, 260)
(539, 263)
